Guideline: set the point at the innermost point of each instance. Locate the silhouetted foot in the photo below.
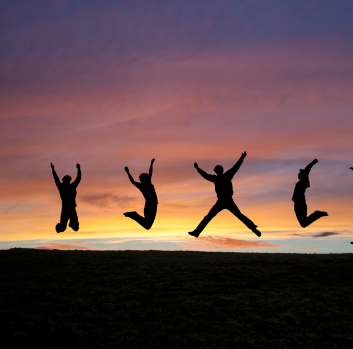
(74, 227)
(57, 228)
(255, 231)
(321, 213)
(129, 214)
(192, 233)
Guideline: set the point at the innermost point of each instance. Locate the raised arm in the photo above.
(78, 178)
(203, 173)
(232, 171)
(308, 168)
(130, 177)
(151, 168)
(56, 178)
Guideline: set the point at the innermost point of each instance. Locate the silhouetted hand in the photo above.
(78, 166)
(315, 161)
(126, 169)
(52, 166)
(351, 168)
(196, 165)
(243, 154)
(153, 160)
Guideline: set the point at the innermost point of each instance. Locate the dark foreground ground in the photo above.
(154, 299)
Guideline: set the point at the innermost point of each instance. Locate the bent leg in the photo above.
(301, 213)
(146, 222)
(60, 227)
(232, 207)
(150, 212)
(218, 207)
(74, 221)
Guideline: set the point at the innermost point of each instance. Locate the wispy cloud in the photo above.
(62, 246)
(112, 84)
(307, 248)
(324, 234)
(107, 200)
(220, 243)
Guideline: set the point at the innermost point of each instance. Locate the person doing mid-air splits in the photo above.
(68, 197)
(300, 207)
(147, 189)
(224, 190)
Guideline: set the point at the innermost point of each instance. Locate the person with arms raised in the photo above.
(224, 191)
(68, 194)
(147, 189)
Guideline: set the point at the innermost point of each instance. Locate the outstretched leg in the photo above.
(232, 207)
(218, 207)
(301, 213)
(146, 222)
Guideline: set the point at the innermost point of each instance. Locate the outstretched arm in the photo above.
(232, 171)
(78, 178)
(56, 178)
(308, 168)
(203, 173)
(130, 177)
(151, 168)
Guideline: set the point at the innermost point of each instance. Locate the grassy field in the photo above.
(155, 299)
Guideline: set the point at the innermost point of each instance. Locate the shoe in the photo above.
(255, 231)
(194, 234)
(74, 227)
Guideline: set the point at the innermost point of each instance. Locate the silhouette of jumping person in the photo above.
(68, 197)
(224, 190)
(300, 207)
(147, 189)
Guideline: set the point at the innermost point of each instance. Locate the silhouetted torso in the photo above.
(300, 189)
(148, 192)
(68, 194)
(68, 191)
(223, 185)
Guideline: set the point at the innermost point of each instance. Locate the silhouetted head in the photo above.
(66, 180)
(145, 178)
(301, 174)
(218, 169)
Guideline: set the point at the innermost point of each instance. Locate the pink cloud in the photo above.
(63, 246)
(106, 87)
(227, 243)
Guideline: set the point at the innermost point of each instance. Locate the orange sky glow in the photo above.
(112, 84)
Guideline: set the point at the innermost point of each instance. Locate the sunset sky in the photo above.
(110, 84)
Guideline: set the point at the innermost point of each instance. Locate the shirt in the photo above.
(148, 192)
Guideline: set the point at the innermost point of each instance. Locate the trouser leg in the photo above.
(74, 224)
(64, 217)
(232, 207)
(301, 212)
(150, 212)
(213, 212)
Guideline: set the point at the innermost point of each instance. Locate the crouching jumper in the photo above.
(68, 197)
